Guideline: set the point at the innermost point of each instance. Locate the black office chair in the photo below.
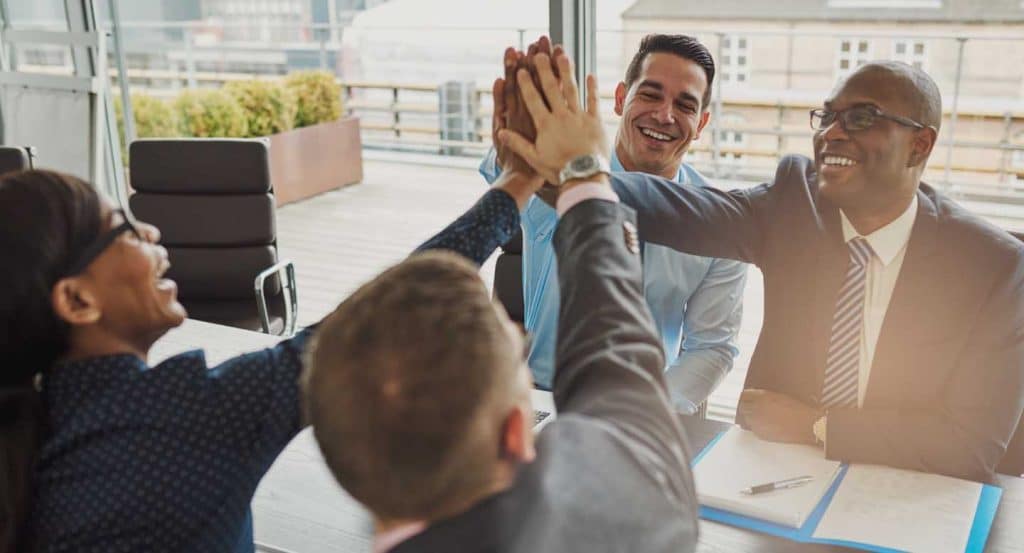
(508, 278)
(14, 158)
(213, 202)
(1013, 460)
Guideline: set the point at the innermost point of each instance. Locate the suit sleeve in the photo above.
(966, 436)
(609, 358)
(709, 222)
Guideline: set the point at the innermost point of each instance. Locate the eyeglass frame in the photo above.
(875, 111)
(101, 243)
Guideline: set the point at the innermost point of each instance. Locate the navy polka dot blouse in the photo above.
(477, 233)
(164, 458)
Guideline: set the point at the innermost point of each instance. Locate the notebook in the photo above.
(867, 507)
(739, 460)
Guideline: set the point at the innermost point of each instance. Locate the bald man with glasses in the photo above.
(894, 319)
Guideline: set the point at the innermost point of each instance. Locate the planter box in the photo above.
(312, 160)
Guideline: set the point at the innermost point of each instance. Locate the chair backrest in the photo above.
(213, 202)
(13, 158)
(1013, 460)
(508, 278)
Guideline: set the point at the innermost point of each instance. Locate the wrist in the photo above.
(519, 185)
(600, 178)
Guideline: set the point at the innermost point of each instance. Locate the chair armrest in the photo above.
(291, 300)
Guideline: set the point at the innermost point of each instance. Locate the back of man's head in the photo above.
(683, 46)
(406, 385)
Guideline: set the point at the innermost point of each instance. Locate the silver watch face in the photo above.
(584, 163)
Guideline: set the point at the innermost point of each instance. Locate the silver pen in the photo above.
(779, 485)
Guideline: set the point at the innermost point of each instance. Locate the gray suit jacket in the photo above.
(612, 471)
(947, 381)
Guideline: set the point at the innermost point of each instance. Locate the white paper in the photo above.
(740, 460)
(901, 509)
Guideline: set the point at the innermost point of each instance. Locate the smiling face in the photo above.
(135, 302)
(875, 171)
(661, 114)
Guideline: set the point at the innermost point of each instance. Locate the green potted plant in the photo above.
(323, 151)
(211, 113)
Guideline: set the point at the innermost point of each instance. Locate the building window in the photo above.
(853, 53)
(735, 60)
(731, 140)
(911, 51)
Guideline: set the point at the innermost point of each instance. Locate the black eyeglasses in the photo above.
(102, 242)
(857, 118)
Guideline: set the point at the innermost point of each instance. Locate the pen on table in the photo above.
(778, 485)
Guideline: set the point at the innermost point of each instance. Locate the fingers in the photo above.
(558, 51)
(549, 85)
(568, 81)
(523, 148)
(531, 97)
(592, 99)
(498, 94)
(544, 45)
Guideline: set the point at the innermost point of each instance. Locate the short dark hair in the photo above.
(683, 46)
(401, 383)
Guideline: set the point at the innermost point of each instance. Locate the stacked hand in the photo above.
(539, 125)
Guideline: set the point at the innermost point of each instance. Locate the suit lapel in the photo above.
(911, 292)
(828, 274)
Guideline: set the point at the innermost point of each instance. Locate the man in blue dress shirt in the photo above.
(696, 301)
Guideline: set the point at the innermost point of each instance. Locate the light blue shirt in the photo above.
(697, 302)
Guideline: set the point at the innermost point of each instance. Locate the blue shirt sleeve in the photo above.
(711, 323)
(489, 166)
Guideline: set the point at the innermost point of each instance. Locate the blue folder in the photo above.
(984, 515)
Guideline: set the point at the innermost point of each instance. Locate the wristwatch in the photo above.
(583, 167)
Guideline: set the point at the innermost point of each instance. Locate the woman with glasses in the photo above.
(98, 450)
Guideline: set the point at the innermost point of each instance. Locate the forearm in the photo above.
(925, 440)
(699, 221)
(480, 230)
(609, 359)
(694, 375)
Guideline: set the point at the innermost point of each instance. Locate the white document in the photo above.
(901, 509)
(740, 460)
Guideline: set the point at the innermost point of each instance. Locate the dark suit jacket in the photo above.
(612, 472)
(947, 381)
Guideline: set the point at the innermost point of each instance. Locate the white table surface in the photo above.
(298, 506)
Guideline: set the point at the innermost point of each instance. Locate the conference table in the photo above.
(299, 508)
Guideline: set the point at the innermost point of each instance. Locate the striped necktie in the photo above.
(842, 366)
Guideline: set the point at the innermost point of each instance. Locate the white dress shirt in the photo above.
(889, 245)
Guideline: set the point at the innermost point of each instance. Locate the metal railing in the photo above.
(980, 151)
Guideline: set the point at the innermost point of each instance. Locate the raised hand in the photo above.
(510, 113)
(565, 130)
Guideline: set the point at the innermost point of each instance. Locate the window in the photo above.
(731, 140)
(735, 60)
(853, 53)
(911, 51)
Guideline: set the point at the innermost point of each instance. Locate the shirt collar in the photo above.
(888, 240)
